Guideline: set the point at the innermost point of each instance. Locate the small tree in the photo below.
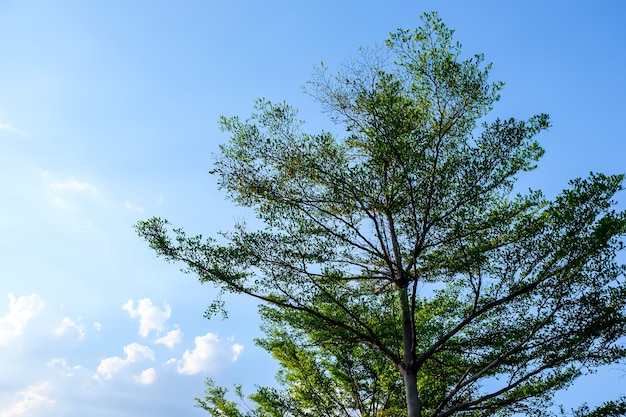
(403, 241)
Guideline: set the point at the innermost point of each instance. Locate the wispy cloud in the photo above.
(61, 363)
(21, 310)
(209, 354)
(132, 207)
(64, 192)
(31, 397)
(150, 317)
(10, 128)
(134, 353)
(69, 185)
(61, 203)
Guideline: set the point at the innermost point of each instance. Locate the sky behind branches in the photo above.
(108, 115)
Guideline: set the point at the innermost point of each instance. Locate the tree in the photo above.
(403, 239)
(318, 379)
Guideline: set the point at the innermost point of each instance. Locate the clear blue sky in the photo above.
(108, 115)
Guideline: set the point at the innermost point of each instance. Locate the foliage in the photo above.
(398, 257)
(615, 408)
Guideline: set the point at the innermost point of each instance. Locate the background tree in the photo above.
(404, 237)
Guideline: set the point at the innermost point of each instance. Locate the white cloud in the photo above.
(57, 362)
(97, 326)
(237, 349)
(31, 397)
(171, 338)
(72, 185)
(21, 310)
(132, 207)
(61, 189)
(113, 365)
(147, 377)
(61, 363)
(135, 352)
(60, 203)
(150, 317)
(208, 355)
(68, 324)
(202, 357)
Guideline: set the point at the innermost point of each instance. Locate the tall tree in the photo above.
(404, 237)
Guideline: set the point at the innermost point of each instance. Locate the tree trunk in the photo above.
(407, 367)
(413, 405)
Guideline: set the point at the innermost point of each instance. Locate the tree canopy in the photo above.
(399, 271)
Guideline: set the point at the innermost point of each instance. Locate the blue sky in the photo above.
(108, 115)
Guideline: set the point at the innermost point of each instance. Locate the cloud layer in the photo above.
(70, 374)
(29, 398)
